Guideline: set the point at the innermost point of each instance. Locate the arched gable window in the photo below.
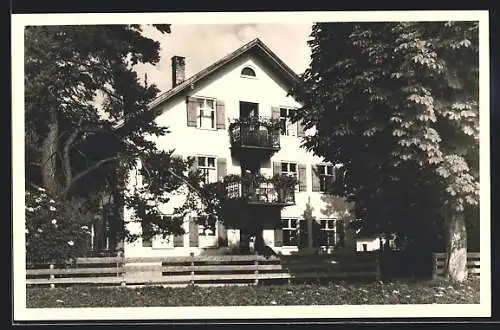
(247, 71)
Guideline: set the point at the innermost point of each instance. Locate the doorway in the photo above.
(249, 109)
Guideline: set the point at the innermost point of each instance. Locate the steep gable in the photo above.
(255, 47)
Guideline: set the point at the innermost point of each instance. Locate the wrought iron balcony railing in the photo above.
(261, 192)
(254, 133)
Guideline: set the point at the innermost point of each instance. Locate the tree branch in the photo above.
(195, 189)
(89, 170)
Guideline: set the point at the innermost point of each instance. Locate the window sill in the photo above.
(322, 192)
(206, 129)
(248, 77)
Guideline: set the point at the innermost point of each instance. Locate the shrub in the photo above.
(55, 232)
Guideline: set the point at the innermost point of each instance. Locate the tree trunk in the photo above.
(49, 157)
(456, 254)
(66, 161)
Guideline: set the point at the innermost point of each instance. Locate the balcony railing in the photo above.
(262, 191)
(254, 133)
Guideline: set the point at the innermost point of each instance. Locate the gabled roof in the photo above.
(256, 46)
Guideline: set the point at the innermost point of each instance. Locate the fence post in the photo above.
(434, 266)
(378, 268)
(317, 268)
(51, 276)
(121, 266)
(192, 268)
(256, 272)
(286, 263)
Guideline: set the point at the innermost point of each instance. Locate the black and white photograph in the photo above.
(250, 165)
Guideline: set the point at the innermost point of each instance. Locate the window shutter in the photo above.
(316, 229)
(339, 233)
(193, 232)
(147, 243)
(221, 168)
(222, 232)
(220, 114)
(302, 234)
(302, 177)
(340, 178)
(192, 107)
(276, 168)
(300, 129)
(178, 240)
(194, 166)
(315, 178)
(275, 112)
(278, 235)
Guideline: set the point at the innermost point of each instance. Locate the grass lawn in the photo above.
(424, 292)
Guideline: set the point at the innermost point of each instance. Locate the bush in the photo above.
(55, 232)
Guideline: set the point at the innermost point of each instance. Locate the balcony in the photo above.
(259, 190)
(254, 133)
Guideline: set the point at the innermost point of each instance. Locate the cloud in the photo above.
(204, 44)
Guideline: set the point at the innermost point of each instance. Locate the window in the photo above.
(294, 232)
(206, 113)
(204, 229)
(326, 177)
(290, 232)
(247, 71)
(331, 233)
(208, 169)
(290, 169)
(365, 247)
(327, 233)
(286, 126)
(157, 241)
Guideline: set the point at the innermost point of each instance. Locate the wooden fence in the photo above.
(473, 264)
(97, 270)
(209, 270)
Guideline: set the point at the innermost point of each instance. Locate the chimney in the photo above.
(178, 70)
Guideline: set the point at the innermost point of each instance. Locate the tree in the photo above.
(397, 104)
(306, 239)
(88, 122)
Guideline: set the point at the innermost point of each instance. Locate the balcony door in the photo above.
(248, 109)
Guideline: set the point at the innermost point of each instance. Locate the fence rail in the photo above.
(207, 270)
(473, 264)
(96, 270)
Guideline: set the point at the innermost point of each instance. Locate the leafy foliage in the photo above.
(225, 201)
(270, 123)
(52, 235)
(89, 125)
(397, 104)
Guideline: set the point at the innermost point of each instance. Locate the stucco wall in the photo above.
(372, 244)
(228, 85)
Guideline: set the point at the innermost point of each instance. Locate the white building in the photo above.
(198, 111)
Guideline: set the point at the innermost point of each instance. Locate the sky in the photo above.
(202, 45)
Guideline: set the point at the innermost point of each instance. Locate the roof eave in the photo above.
(290, 75)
